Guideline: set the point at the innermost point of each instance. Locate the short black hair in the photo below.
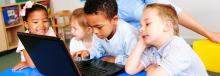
(108, 7)
(35, 7)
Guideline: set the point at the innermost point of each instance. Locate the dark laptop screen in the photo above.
(49, 55)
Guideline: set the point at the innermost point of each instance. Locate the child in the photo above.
(35, 19)
(115, 37)
(160, 50)
(82, 33)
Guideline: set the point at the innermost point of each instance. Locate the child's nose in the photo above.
(141, 30)
(42, 24)
(73, 32)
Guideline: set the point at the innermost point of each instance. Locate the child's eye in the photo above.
(35, 22)
(100, 27)
(73, 28)
(45, 20)
(147, 24)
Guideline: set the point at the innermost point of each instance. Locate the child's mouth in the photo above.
(42, 31)
(145, 36)
(101, 37)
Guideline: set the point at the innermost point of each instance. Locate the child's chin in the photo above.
(101, 37)
(147, 42)
(41, 33)
(78, 38)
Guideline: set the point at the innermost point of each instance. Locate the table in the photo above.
(35, 72)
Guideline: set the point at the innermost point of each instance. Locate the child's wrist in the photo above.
(141, 45)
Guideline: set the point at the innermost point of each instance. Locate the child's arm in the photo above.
(188, 22)
(28, 59)
(23, 64)
(133, 64)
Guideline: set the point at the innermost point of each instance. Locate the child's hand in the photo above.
(20, 66)
(152, 67)
(82, 54)
(109, 59)
(156, 70)
(141, 43)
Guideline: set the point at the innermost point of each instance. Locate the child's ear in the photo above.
(115, 19)
(26, 25)
(168, 26)
(90, 29)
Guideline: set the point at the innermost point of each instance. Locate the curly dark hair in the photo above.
(35, 7)
(108, 7)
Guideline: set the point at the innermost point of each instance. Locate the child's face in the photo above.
(152, 26)
(77, 31)
(37, 22)
(102, 27)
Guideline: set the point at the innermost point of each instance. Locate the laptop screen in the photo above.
(49, 55)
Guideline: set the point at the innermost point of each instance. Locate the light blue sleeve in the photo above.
(97, 49)
(178, 9)
(130, 42)
(144, 58)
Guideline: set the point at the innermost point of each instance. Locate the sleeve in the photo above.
(73, 45)
(120, 59)
(130, 42)
(178, 9)
(97, 50)
(20, 46)
(51, 32)
(19, 50)
(176, 60)
(144, 58)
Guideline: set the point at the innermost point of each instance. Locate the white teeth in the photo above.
(41, 31)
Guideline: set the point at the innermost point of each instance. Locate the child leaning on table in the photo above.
(115, 37)
(35, 19)
(159, 50)
(82, 33)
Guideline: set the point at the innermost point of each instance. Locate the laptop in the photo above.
(52, 58)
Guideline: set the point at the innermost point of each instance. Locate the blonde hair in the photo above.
(167, 13)
(79, 16)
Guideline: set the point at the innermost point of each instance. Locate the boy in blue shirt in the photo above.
(115, 37)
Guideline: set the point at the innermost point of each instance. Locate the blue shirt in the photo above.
(131, 10)
(120, 45)
(177, 57)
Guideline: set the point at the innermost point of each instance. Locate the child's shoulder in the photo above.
(124, 24)
(177, 45)
(178, 41)
(126, 28)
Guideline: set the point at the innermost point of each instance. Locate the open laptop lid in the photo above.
(49, 55)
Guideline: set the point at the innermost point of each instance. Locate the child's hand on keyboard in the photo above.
(109, 59)
(81, 55)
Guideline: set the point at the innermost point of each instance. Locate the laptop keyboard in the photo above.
(98, 68)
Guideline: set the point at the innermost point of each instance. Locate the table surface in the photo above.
(35, 72)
